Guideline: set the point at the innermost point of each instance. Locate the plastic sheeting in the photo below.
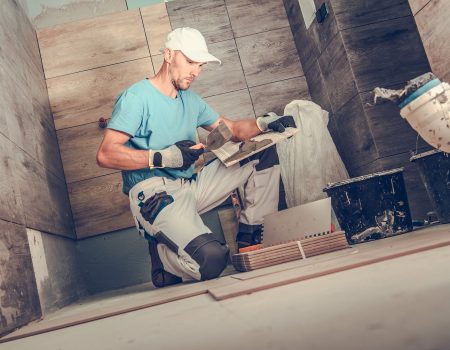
(309, 160)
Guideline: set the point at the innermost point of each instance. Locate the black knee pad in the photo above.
(267, 158)
(210, 254)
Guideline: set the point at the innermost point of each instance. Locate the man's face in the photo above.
(184, 71)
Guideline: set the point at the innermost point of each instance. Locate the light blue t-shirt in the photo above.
(156, 121)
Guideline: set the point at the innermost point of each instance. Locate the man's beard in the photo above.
(179, 87)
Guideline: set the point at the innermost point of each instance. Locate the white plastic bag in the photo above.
(309, 160)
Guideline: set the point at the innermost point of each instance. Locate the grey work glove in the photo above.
(271, 121)
(178, 156)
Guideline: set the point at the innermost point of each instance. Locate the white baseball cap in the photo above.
(192, 43)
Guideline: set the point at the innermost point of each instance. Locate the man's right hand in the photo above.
(181, 155)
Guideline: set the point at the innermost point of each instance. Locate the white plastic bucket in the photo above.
(429, 115)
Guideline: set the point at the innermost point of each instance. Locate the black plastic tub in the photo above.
(371, 206)
(434, 167)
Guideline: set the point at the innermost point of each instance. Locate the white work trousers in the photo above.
(180, 222)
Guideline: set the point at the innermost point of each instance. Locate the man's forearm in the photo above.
(244, 129)
(122, 158)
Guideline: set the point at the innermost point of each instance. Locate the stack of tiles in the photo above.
(285, 252)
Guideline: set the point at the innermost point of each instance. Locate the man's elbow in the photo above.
(102, 159)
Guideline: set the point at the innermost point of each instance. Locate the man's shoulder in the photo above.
(137, 88)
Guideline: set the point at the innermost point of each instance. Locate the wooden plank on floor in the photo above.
(84, 97)
(91, 43)
(97, 310)
(361, 255)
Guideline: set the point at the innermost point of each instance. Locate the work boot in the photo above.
(160, 277)
(245, 239)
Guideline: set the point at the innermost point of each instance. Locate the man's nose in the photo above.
(196, 71)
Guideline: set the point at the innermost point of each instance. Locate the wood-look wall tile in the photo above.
(432, 23)
(84, 97)
(11, 204)
(79, 147)
(417, 5)
(275, 96)
(256, 16)
(20, 300)
(92, 43)
(217, 79)
(337, 74)
(157, 26)
(391, 133)
(210, 17)
(358, 147)
(419, 202)
(386, 53)
(317, 88)
(307, 49)
(268, 57)
(43, 196)
(157, 62)
(99, 206)
(351, 14)
(233, 105)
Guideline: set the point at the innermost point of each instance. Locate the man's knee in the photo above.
(267, 158)
(210, 255)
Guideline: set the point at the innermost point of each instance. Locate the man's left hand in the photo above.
(274, 122)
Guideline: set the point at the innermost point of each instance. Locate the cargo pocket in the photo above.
(153, 206)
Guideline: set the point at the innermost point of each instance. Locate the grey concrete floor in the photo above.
(396, 304)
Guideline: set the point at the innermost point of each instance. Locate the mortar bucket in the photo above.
(371, 206)
(434, 167)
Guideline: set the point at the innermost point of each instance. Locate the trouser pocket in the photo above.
(153, 205)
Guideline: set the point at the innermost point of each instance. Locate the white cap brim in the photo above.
(201, 56)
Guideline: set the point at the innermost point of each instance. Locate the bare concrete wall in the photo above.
(33, 192)
(57, 270)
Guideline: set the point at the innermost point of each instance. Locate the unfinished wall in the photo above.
(362, 45)
(33, 193)
(432, 21)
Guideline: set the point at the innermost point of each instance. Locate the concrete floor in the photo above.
(396, 304)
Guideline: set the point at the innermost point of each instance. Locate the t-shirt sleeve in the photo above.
(127, 113)
(207, 115)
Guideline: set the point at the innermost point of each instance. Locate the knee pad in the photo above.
(210, 254)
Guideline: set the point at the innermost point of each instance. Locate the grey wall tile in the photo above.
(218, 79)
(386, 53)
(362, 12)
(391, 133)
(20, 299)
(255, 16)
(275, 96)
(210, 17)
(323, 33)
(358, 147)
(268, 57)
(317, 87)
(306, 47)
(337, 74)
(434, 30)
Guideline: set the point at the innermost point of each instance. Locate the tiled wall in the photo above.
(260, 72)
(33, 193)
(362, 45)
(432, 21)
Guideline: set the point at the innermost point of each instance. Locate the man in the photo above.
(151, 138)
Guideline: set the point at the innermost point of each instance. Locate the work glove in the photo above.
(271, 121)
(178, 156)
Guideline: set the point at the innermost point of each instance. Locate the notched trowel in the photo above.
(218, 137)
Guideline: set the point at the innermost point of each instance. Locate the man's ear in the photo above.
(169, 54)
